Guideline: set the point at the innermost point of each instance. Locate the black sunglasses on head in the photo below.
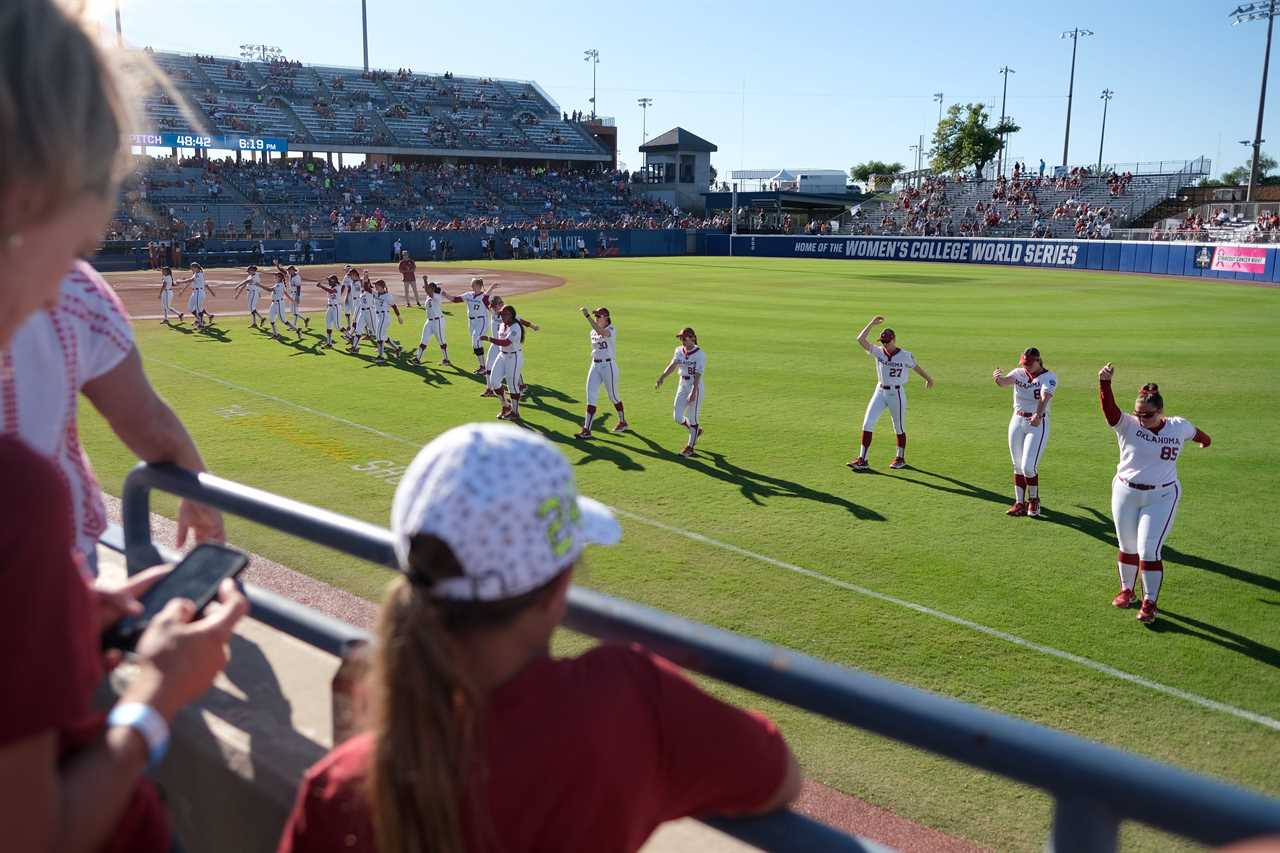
(1145, 415)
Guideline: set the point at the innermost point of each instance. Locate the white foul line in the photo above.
(1094, 665)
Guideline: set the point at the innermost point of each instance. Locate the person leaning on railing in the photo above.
(481, 740)
(71, 779)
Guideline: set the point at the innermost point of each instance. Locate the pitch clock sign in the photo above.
(224, 142)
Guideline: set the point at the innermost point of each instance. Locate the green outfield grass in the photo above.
(786, 389)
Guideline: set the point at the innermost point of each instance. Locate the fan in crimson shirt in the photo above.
(481, 740)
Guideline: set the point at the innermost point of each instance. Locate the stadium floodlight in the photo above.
(1106, 96)
(644, 104)
(593, 56)
(1075, 35)
(1243, 14)
(1004, 97)
(937, 96)
(261, 52)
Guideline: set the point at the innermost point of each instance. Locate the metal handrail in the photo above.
(1095, 786)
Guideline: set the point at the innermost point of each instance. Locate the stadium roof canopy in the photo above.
(678, 139)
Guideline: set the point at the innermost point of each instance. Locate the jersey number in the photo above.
(1036, 393)
(895, 371)
(1169, 453)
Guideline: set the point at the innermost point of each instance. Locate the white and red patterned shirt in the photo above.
(53, 355)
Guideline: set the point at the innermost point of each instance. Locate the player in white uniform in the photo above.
(195, 305)
(477, 302)
(603, 369)
(1033, 390)
(348, 294)
(294, 294)
(363, 325)
(691, 361)
(496, 304)
(332, 309)
(166, 294)
(250, 286)
(892, 365)
(276, 311)
(383, 305)
(434, 326)
(510, 363)
(1145, 490)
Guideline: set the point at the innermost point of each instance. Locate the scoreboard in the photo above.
(228, 142)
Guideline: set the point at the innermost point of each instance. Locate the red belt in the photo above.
(1143, 487)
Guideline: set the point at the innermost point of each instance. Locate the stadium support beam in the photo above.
(364, 29)
(1004, 96)
(1106, 96)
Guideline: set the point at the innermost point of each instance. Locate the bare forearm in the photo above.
(96, 787)
(923, 374)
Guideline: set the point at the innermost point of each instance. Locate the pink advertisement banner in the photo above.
(1251, 259)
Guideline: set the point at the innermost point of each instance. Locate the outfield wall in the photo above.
(377, 246)
(1184, 259)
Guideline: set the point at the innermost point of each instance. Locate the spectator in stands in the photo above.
(71, 778)
(482, 740)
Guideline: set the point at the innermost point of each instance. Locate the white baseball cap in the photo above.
(504, 500)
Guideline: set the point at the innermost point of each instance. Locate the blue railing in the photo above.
(1094, 786)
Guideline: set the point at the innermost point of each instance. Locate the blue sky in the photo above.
(773, 87)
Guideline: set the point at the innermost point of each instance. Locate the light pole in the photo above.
(916, 175)
(644, 103)
(1074, 35)
(593, 56)
(1106, 96)
(364, 29)
(1004, 96)
(1256, 12)
(119, 32)
(937, 96)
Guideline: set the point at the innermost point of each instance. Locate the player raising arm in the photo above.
(1145, 491)
(195, 306)
(434, 326)
(331, 308)
(383, 304)
(892, 365)
(1033, 389)
(477, 302)
(691, 360)
(603, 369)
(294, 294)
(251, 283)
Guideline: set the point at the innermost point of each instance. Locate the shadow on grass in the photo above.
(1092, 523)
(1175, 623)
(213, 333)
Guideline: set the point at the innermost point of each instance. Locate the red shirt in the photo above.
(49, 659)
(587, 753)
(407, 269)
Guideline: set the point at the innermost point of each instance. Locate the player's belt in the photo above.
(277, 299)
(1031, 414)
(601, 360)
(890, 387)
(1144, 487)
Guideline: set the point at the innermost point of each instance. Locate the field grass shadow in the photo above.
(1176, 623)
(213, 334)
(593, 450)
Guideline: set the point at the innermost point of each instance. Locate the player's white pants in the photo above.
(381, 326)
(411, 284)
(293, 308)
(195, 302)
(349, 307)
(476, 325)
(603, 373)
(507, 368)
(276, 312)
(252, 297)
(1027, 443)
(1144, 518)
(362, 322)
(331, 321)
(433, 329)
(887, 398)
(491, 358)
(166, 302)
(684, 410)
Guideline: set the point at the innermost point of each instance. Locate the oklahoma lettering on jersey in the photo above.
(331, 299)
(1028, 389)
(690, 364)
(166, 283)
(1149, 457)
(277, 291)
(892, 369)
(383, 302)
(602, 346)
(433, 306)
(514, 334)
(476, 303)
(197, 283)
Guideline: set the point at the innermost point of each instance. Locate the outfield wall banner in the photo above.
(1202, 260)
(1251, 259)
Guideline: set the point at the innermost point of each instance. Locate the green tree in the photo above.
(963, 139)
(714, 175)
(1239, 176)
(863, 171)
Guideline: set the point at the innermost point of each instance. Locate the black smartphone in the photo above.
(197, 577)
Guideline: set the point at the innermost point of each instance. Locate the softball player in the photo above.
(331, 308)
(252, 282)
(276, 311)
(363, 325)
(496, 304)
(892, 365)
(1145, 490)
(383, 304)
(1033, 390)
(603, 369)
(691, 361)
(495, 320)
(195, 305)
(166, 294)
(477, 302)
(294, 292)
(434, 327)
(509, 365)
(348, 295)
